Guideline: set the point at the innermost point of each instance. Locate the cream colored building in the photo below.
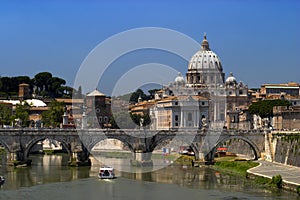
(286, 118)
(204, 99)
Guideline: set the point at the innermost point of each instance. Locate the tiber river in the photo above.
(49, 177)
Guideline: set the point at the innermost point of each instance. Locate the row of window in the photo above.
(190, 117)
(204, 78)
(292, 92)
(104, 119)
(202, 103)
(240, 92)
(205, 56)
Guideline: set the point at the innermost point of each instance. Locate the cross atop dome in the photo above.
(205, 45)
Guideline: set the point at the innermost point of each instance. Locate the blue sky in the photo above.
(257, 40)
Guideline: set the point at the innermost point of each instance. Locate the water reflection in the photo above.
(47, 169)
(44, 169)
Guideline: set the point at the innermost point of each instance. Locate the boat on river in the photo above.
(106, 173)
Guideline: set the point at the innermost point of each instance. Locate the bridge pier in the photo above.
(203, 159)
(79, 156)
(79, 159)
(17, 158)
(141, 158)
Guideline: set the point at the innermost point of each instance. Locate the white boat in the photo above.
(106, 173)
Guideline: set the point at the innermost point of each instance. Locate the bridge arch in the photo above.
(94, 142)
(252, 145)
(34, 141)
(158, 139)
(6, 147)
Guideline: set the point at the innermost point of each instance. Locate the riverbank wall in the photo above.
(283, 147)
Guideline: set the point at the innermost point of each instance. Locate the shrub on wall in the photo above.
(276, 181)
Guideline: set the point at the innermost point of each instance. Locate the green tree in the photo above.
(7, 87)
(135, 96)
(5, 114)
(11, 84)
(1, 85)
(122, 120)
(21, 115)
(137, 119)
(53, 116)
(276, 181)
(79, 93)
(42, 80)
(264, 108)
(50, 86)
(56, 89)
(67, 91)
(152, 93)
(125, 120)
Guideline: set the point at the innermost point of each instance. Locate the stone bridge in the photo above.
(79, 143)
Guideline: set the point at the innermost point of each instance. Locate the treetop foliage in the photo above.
(264, 108)
(134, 96)
(42, 85)
(53, 116)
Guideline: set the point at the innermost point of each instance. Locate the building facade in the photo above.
(203, 99)
(286, 118)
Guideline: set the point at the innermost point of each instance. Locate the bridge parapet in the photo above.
(285, 132)
(12, 131)
(81, 141)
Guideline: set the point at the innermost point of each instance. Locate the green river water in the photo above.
(49, 177)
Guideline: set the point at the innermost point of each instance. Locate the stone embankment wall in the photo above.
(285, 148)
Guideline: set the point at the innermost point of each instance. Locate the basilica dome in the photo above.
(231, 80)
(205, 67)
(179, 79)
